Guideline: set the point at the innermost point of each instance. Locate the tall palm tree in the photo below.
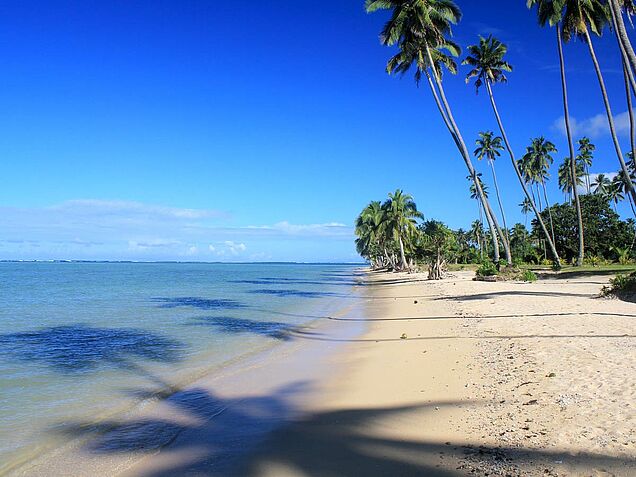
(421, 28)
(551, 12)
(579, 18)
(566, 184)
(526, 208)
(400, 218)
(368, 229)
(601, 184)
(488, 146)
(539, 158)
(585, 158)
(489, 67)
(616, 8)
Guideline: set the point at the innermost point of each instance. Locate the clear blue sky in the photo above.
(250, 130)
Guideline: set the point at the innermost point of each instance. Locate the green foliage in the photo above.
(487, 269)
(435, 246)
(528, 276)
(604, 231)
(623, 286)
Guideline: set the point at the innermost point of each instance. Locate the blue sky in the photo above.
(244, 130)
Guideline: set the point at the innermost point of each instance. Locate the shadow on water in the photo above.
(82, 348)
(336, 443)
(226, 324)
(197, 302)
(296, 293)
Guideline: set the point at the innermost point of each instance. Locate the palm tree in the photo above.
(565, 178)
(489, 67)
(615, 191)
(580, 17)
(477, 234)
(538, 158)
(551, 12)
(400, 218)
(488, 146)
(368, 229)
(585, 158)
(602, 184)
(421, 28)
(616, 8)
(526, 208)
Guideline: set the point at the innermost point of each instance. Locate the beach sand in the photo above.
(450, 378)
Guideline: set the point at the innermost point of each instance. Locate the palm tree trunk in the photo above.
(621, 33)
(471, 170)
(566, 111)
(547, 203)
(610, 117)
(501, 209)
(459, 140)
(402, 256)
(630, 111)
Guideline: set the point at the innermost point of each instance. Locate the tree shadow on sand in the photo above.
(245, 435)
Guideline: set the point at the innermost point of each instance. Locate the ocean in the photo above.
(81, 342)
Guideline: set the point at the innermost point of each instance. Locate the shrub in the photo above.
(528, 276)
(623, 286)
(487, 269)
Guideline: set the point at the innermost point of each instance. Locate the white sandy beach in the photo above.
(455, 377)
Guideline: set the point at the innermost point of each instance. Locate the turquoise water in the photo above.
(74, 337)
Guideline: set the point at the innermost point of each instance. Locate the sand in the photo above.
(450, 378)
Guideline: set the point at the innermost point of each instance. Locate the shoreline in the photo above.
(412, 377)
(158, 421)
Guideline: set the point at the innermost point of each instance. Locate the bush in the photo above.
(528, 276)
(487, 269)
(623, 286)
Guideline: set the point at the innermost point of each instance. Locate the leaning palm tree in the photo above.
(581, 17)
(400, 218)
(616, 8)
(538, 156)
(550, 12)
(421, 28)
(488, 146)
(489, 67)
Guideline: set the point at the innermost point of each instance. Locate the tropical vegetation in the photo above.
(585, 226)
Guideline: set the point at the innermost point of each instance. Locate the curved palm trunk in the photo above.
(621, 33)
(459, 140)
(405, 265)
(501, 209)
(471, 170)
(566, 111)
(630, 111)
(610, 117)
(555, 255)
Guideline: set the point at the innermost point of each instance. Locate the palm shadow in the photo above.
(82, 348)
(230, 325)
(197, 302)
(296, 293)
(242, 436)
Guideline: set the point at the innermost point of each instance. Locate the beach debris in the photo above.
(531, 402)
(415, 301)
(551, 375)
(403, 337)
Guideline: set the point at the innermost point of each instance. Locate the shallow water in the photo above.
(81, 341)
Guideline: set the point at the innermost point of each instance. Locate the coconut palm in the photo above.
(581, 17)
(370, 243)
(420, 28)
(616, 8)
(551, 12)
(526, 208)
(615, 191)
(565, 178)
(400, 218)
(490, 67)
(488, 147)
(585, 158)
(602, 184)
(538, 158)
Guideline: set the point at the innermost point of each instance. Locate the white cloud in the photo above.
(121, 230)
(594, 126)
